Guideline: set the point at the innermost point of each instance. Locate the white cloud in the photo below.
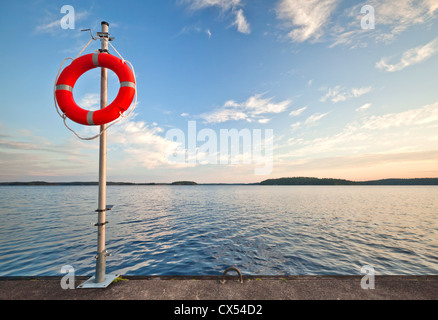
(364, 166)
(53, 26)
(401, 14)
(235, 6)
(364, 107)
(410, 57)
(193, 29)
(313, 119)
(334, 94)
(251, 109)
(24, 155)
(223, 4)
(405, 131)
(256, 105)
(296, 113)
(141, 144)
(414, 117)
(295, 125)
(188, 30)
(241, 23)
(134, 144)
(433, 5)
(90, 101)
(310, 121)
(357, 92)
(307, 18)
(338, 93)
(391, 19)
(48, 27)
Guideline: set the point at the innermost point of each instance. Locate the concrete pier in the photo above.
(212, 288)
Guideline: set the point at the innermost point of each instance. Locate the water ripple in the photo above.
(185, 230)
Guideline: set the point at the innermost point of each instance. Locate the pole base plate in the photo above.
(91, 284)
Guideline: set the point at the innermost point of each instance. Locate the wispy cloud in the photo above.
(433, 5)
(313, 119)
(364, 107)
(188, 30)
(414, 117)
(202, 4)
(234, 6)
(26, 155)
(364, 166)
(241, 23)
(52, 25)
(307, 18)
(135, 145)
(263, 121)
(338, 93)
(399, 15)
(193, 29)
(295, 113)
(142, 144)
(391, 132)
(254, 108)
(90, 101)
(391, 19)
(310, 121)
(410, 57)
(49, 27)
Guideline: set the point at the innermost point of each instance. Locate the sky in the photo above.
(328, 89)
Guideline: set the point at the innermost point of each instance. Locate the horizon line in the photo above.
(203, 183)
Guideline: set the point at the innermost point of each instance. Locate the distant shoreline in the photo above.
(295, 181)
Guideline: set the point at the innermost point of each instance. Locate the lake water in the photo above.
(202, 230)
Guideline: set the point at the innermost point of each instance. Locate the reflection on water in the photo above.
(201, 230)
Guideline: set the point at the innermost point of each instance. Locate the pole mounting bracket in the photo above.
(108, 208)
(104, 35)
(100, 224)
(99, 35)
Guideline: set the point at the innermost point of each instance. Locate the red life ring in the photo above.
(69, 76)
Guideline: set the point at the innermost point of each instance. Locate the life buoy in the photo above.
(69, 76)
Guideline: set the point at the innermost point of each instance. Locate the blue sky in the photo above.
(342, 101)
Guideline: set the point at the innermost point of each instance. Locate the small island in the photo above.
(184, 183)
(302, 181)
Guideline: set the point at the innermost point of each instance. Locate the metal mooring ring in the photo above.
(229, 269)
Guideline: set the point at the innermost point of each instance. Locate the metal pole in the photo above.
(101, 253)
(100, 279)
